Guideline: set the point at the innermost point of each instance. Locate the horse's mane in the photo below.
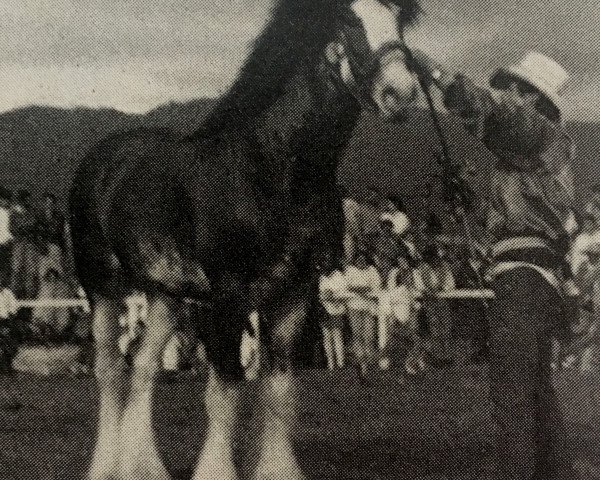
(294, 38)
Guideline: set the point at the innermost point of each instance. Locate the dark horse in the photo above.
(232, 215)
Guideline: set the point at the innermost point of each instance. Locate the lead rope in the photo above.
(456, 191)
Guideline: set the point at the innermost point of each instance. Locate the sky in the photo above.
(133, 55)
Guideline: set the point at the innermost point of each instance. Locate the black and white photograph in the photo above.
(299, 240)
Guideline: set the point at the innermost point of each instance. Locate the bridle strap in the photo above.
(456, 192)
(382, 51)
(349, 78)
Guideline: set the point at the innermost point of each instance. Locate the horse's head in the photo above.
(369, 56)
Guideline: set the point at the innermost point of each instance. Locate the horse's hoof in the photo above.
(146, 474)
(280, 476)
(103, 476)
(152, 471)
(278, 469)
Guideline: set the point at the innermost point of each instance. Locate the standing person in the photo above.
(587, 277)
(369, 215)
(25, 253)
(415, 359)
(386, 248)
(9, 345)
(351, 209)
(6, 237)
(402, 292)
(53, 323)
(471, 314)
(52, 231)
(530, 215)
(437, 276)
(592, 206)
(333, 293)
(587, 236)
(364, 283)
(395, 213)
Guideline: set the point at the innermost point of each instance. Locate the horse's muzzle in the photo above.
(394, 87)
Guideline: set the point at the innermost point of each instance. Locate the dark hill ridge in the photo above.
(40, 148)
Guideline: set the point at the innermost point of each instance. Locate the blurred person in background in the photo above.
(250, 347)
(437, 277)
(333, 294)
(364, 283)
(471, 314)
(589, 234)
(130, 340)
(82, 332)
(52, 323)
(26, 251)
(586, 347)
(408, 242)
(570, 348)
(427, 228)
(394, 211)
(592, 206)
(6, 237)
(351, 208)
(386, 248)
(369, 215)
(51, 223)
(10, 336)
(402, 291)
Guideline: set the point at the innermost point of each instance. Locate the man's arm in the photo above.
(504, 123)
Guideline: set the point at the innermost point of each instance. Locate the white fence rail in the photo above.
(82, 303)
(53, 303)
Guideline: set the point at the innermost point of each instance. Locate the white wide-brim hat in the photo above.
(538, 70)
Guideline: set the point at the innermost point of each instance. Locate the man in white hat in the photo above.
(529, 219)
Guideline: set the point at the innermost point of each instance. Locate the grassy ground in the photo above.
(434, 428)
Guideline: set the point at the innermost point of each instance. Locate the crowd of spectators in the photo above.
(380, 305)
(382, 298)
(35, 264)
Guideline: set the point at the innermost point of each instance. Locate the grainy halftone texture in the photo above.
(137, 56)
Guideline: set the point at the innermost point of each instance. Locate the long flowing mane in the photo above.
(294, 39)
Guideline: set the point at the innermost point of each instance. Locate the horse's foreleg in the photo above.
(278, 398)
(216, 457)
(110, 374)
(140, 458)
(224, 333)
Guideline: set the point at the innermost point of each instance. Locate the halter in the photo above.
(357, 84)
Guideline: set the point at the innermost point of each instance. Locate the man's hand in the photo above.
(430, 70)
(423, 64)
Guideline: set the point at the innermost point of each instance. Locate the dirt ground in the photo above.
(433, 428)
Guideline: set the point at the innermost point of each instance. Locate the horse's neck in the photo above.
(305, 130)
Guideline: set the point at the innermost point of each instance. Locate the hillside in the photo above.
(40, 148)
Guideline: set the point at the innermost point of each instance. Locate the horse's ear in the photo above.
(334, 52)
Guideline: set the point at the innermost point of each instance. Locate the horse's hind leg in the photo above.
(277, 459)
(110, 374)
(139, 457)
